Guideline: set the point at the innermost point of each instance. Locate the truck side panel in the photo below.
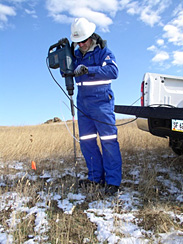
(163, 89)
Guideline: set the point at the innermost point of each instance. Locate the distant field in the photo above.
(55, 141)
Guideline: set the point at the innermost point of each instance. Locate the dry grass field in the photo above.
(152, 178)
(54, 141)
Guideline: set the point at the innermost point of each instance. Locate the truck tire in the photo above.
(176, 145)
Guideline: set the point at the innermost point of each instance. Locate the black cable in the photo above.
(128, 122)
(56, 80)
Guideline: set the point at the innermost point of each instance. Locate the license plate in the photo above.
(177, 125)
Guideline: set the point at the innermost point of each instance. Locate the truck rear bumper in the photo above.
(142, 124)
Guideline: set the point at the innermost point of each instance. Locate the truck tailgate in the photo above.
(150, 112)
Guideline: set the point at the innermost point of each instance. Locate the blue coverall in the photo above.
(95, 101)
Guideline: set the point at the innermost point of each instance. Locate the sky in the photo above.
(145, 36)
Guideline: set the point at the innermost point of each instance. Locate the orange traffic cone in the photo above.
(33, 165)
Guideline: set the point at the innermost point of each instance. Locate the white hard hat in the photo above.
(81, 29)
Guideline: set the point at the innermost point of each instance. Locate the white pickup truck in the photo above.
(161, 110)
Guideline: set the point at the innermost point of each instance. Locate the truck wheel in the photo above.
(176, 145)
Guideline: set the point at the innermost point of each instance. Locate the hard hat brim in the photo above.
(91, 30)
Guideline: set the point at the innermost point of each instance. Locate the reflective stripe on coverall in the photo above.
(96, 100)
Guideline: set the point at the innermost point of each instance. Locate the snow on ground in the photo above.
(115, 217)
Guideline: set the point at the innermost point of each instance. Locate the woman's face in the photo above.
(85, 45)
